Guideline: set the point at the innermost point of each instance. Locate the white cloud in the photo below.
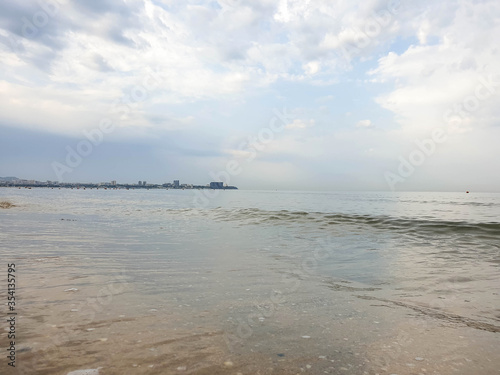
(312, 67)
(434, 81)
(300, 124)
(364, 124)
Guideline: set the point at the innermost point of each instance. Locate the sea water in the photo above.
(138, 281)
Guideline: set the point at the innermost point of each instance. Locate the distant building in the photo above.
(176, 184)
(139, 183)
(216, 185)
(113, 183)
(143, 183)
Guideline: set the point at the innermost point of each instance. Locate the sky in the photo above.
(260, 94)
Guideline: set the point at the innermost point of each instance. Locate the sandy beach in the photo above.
(93, 321)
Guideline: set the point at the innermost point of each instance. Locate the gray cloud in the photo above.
(30, 21)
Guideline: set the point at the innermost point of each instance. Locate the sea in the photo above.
(115, 281)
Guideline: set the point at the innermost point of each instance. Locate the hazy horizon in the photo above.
(285, 189)
(263, 95)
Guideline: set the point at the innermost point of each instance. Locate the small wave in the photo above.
(405, 225)
(454, 203)
(439, 314)
(420, 227)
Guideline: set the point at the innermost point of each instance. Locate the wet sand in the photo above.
(6, 204)
(74, 319)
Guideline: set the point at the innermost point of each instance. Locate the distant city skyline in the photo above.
(301, 95)
(12, 181)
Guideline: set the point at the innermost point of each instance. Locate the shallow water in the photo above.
(254, 282)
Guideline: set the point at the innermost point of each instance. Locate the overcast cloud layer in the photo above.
(295, 94)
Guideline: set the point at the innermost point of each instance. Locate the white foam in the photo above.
(85, 372)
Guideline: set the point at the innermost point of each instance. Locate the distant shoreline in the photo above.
(84, 186)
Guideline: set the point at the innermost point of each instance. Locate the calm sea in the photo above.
(274, 275)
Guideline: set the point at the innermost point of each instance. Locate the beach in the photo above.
(255, 282)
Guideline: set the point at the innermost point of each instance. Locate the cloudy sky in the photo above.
(263, 94)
